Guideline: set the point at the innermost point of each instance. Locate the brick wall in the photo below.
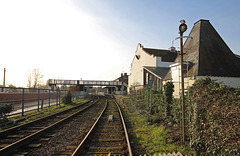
(10, 97)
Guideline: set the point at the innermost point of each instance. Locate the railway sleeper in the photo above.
(107, 130)
(113, 126)
(107, 133)
(34, 145)
(15, 136)
(107, 145)
(3, 145)
(31, 130)
(105, 153)
(109, 140)
(6, 140)
(36, 127)
(21, 154)
(106, 148)
(110, 136)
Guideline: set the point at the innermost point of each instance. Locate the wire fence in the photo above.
(21, 100)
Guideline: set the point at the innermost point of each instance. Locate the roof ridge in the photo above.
(200, 27)
(158, 49)
(155, 67)
(201, 21)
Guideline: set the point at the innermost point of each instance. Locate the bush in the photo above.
(168, 92)
(215, 119)
(5, 110)
(67, 99)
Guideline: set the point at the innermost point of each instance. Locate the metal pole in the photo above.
(38, 99)
(147, 96)
(4, 77)
(150, 100)
(49, 97)
(23, 102)
(42, 104)
(182, 78)
(57, 98)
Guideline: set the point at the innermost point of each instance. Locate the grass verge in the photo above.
(144, 137)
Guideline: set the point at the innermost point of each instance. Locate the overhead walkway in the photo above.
(86, 82)
(113, 86)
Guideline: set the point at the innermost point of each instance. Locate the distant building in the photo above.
(120, 89)
(123, 78)
(205, 54)
(150, 64)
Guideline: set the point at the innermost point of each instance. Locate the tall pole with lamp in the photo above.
(182, 29)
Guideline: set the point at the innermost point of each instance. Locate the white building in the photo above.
(205, 54)
(149, 64)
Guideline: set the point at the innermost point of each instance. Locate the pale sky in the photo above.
(97, 39)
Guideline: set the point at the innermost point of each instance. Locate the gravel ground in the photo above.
(69, 134)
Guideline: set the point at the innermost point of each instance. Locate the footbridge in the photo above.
(81, 84)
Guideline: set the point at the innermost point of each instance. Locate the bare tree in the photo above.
(34, 78)
(29, 77)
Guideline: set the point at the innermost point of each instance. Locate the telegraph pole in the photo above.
(182, 29)
(4, 77)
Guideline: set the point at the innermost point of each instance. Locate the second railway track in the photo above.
(21, 135)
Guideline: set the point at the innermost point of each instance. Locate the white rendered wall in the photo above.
(159, 62)
(145, 59)
(136, 75)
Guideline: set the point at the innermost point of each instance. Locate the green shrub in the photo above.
(215, 120)
(5, 109)
(168, 92)
(67, 99)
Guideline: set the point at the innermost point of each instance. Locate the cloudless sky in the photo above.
(97, 39)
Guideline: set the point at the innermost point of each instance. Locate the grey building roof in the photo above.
(208, 54)
(158, 71)
(166, 55)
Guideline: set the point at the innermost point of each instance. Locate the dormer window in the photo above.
(138, 57)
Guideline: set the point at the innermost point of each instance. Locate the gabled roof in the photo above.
(166, 55)
(208, 53)
(161, 72)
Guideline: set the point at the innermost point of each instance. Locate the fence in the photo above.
(28, 99)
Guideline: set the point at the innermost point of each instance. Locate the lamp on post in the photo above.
(182, 29)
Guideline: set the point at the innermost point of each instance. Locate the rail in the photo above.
(125, 130)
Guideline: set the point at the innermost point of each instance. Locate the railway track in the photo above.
(15, 137)
(108, 136)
